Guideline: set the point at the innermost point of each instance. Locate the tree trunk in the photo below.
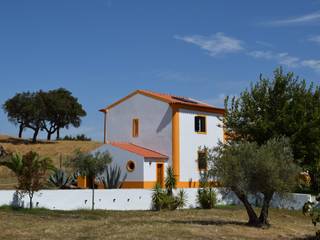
(253, 218)
(35, 135)
(30, 201)
(92, 183)
(263, 218)
(49, 136)
(58, 133)
(21, 127)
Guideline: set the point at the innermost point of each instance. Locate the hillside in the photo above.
(58, 151)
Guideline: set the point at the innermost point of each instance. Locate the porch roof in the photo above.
(141, 151)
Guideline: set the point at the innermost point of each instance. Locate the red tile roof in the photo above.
(171, 99)
(144, 152)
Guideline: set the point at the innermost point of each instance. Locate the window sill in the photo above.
(201, 132)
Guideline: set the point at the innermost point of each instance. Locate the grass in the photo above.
(221, 223)
(58, 151)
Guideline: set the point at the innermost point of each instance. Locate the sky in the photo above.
(102, 50)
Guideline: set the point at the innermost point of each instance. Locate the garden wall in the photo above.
(129, 199)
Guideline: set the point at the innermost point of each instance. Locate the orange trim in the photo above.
(151, 184)
(176, 143)
(131, 168)
(119, 101)
(171, 100)
(219, 111)
(146, 185)
(195, 184)
(82, 182)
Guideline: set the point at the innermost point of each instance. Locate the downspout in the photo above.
(105, 139)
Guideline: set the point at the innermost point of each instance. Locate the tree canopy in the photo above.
(283, 106)
(247, 168)
(90, 165)
(49, 111)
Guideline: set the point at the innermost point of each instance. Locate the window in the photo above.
(131, 166)
(202, 160)
(135, 127)
(200, 124)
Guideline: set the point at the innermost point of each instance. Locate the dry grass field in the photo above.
(58, 151)
(221, 223)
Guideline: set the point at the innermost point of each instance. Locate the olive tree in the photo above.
(90, 165)
(249, 169)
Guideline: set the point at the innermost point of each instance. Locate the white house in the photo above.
(146, 131)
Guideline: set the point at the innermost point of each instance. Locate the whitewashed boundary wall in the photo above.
(130, 199)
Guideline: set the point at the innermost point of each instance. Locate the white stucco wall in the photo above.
(190, 141)
(130, 199)
(150, 169)
(154, 123)
(121, 157)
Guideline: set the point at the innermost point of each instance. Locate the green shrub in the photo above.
(206, 198)
(164, 198)
(161, 200)
(79, 137)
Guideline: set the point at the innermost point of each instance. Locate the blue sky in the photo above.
(102, 50)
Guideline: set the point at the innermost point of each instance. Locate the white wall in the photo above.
(120, 157)
(154, 123)
(150, 169)
(190, 141)
(129, 199)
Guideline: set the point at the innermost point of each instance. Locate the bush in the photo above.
(161, 200)
(164, 198)
(206, 198)
(79, 137)
(312, 209)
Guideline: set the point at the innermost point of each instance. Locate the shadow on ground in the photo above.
(211, 222)
(307, 238)
(16, 141)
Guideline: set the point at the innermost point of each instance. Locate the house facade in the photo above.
(146, 131)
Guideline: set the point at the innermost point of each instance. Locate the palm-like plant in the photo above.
(60, 179)
(170, 181)
(112, 177)
(30, 170)
(13, 162)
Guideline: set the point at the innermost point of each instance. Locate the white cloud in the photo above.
(281, 58)
(216, 44)
(218, 101)
(265, 44)
(315, 39)
(311, 63)
(304, 19)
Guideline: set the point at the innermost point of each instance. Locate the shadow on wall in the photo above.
(165, 120)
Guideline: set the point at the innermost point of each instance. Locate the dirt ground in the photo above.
(221, 223)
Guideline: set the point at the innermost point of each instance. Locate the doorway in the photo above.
(160, 174)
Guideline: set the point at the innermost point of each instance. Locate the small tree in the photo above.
(30, 170)
(91, 165)
(247, 168)
(170, 181)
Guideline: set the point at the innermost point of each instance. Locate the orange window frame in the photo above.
(135, 127)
